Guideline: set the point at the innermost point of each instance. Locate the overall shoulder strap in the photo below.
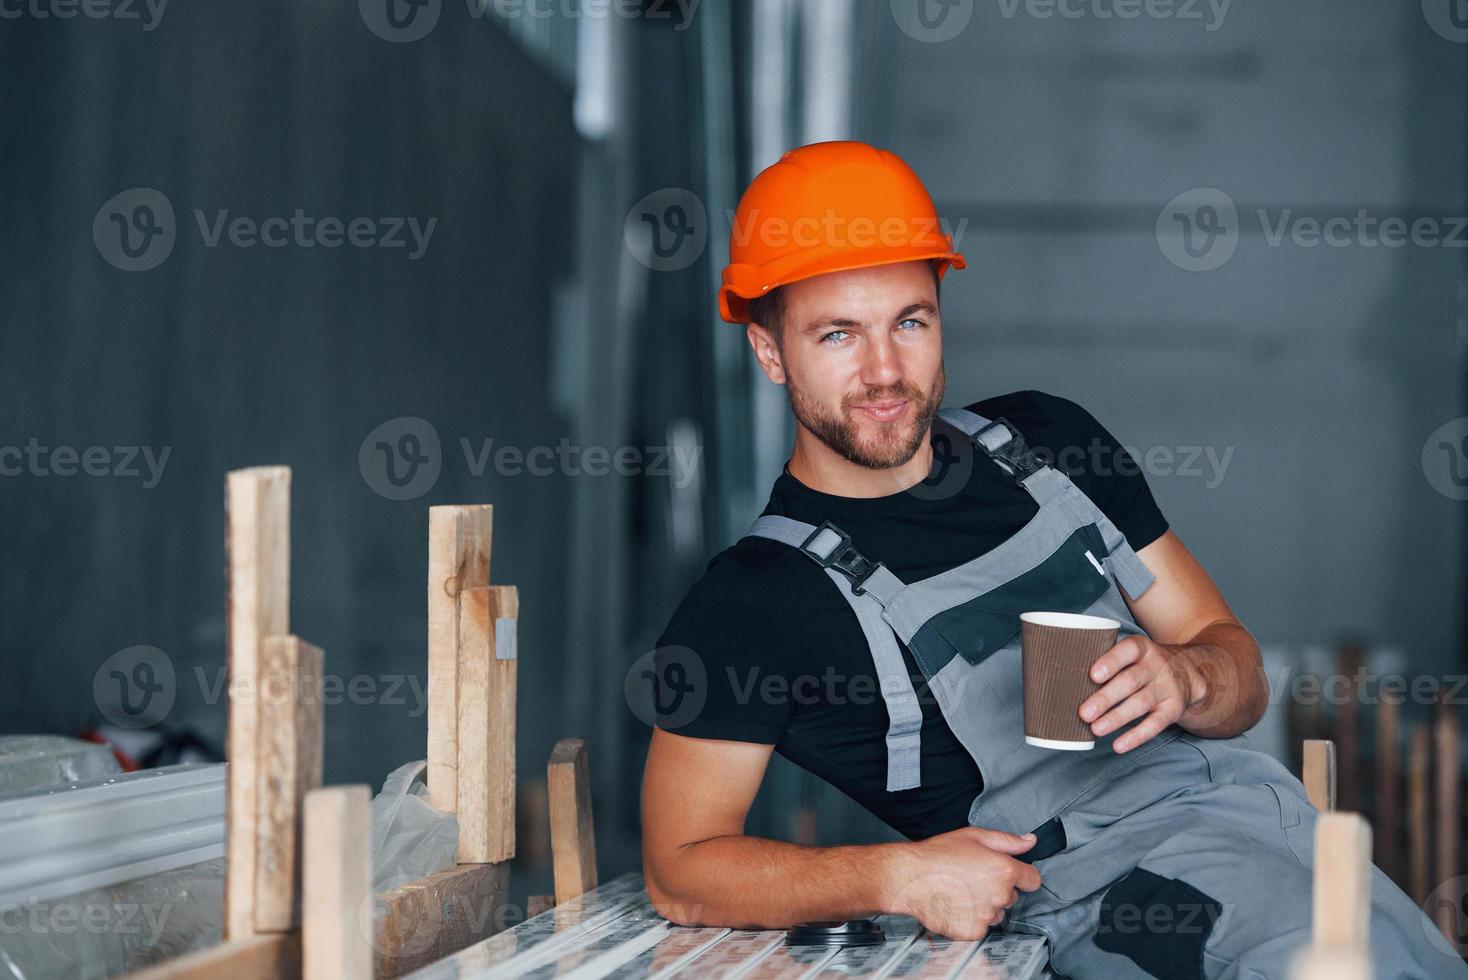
(1002, 442)
(859, 581)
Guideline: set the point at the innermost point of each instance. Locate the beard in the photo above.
(893, 444)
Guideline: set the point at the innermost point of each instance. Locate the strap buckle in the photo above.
(842, 556)
(1013, 451)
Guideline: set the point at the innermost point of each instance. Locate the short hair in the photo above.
(769, 310)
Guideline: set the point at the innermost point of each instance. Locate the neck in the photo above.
(814, 464)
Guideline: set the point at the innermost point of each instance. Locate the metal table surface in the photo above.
(613, 931)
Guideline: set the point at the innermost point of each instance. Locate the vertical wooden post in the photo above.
(289, 758)
(458, 559)
(1445, 737)
(257, 544)
(1342, 907)
(1387, 818)
(1320, 773)
(1419, 824)
(1349, 661)
(573, 837)
(486, 735)
(337, 884)
(1330, 964)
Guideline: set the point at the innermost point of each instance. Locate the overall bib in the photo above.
(1185, 857)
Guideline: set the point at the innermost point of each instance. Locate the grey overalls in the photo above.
(1185, 857)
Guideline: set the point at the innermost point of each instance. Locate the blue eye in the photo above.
(833, 333)
(911, 320)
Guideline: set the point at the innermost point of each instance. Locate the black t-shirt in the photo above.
(784, 661)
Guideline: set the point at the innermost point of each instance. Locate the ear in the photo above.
(766, 352)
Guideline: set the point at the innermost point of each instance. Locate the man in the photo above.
(867, 629)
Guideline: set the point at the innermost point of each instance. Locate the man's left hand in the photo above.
(1140, 679)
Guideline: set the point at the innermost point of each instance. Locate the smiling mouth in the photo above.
(885, 411)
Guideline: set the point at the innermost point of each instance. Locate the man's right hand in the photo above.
(958, 884)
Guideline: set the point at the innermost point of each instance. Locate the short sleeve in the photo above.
(1106, 472)
(714, 659)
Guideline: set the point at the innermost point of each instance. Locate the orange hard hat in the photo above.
(827, 207)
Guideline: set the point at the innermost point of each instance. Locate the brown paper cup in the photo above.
(1058, 650)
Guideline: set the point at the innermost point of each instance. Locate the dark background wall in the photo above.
(533, 318)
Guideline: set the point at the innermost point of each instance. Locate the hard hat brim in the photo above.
(743, 283)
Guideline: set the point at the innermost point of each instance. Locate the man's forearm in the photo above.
(753, 882)
(1226, 676)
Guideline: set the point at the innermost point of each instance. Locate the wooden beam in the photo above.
(1320, 773)
(1330, 964)
(426, 920)
(267, 957)
(1419, 838)
(1350, 659)
(336, 940)
(1387, 818)
(573, 835)
(458, 559)
(488, 618)
(1447, 776)
(257, 543)
(1342, 901)
(289, 760)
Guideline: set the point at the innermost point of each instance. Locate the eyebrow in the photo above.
(843, 323)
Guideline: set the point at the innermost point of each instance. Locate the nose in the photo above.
(881, 361)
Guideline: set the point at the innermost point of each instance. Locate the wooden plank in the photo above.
(267, 957)
(429, 919)
(289, 761)
(1330, 964)
(538, 905)
(1447, 776)
(1320, 773)
(573, 837)
(458, 559)
(1350, 661)
(336, 937)
(542, 939)
(1342, 899)
(1419, 837)
(486, 731)
(257, 543)
(1387, 818)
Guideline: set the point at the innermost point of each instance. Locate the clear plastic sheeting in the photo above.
(30, 762)
(115, 930)
(410, 839)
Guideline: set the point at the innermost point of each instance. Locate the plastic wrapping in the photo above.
(410, 839)
(115, 930)
(29, 762)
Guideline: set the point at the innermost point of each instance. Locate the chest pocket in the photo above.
(1071, 579)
